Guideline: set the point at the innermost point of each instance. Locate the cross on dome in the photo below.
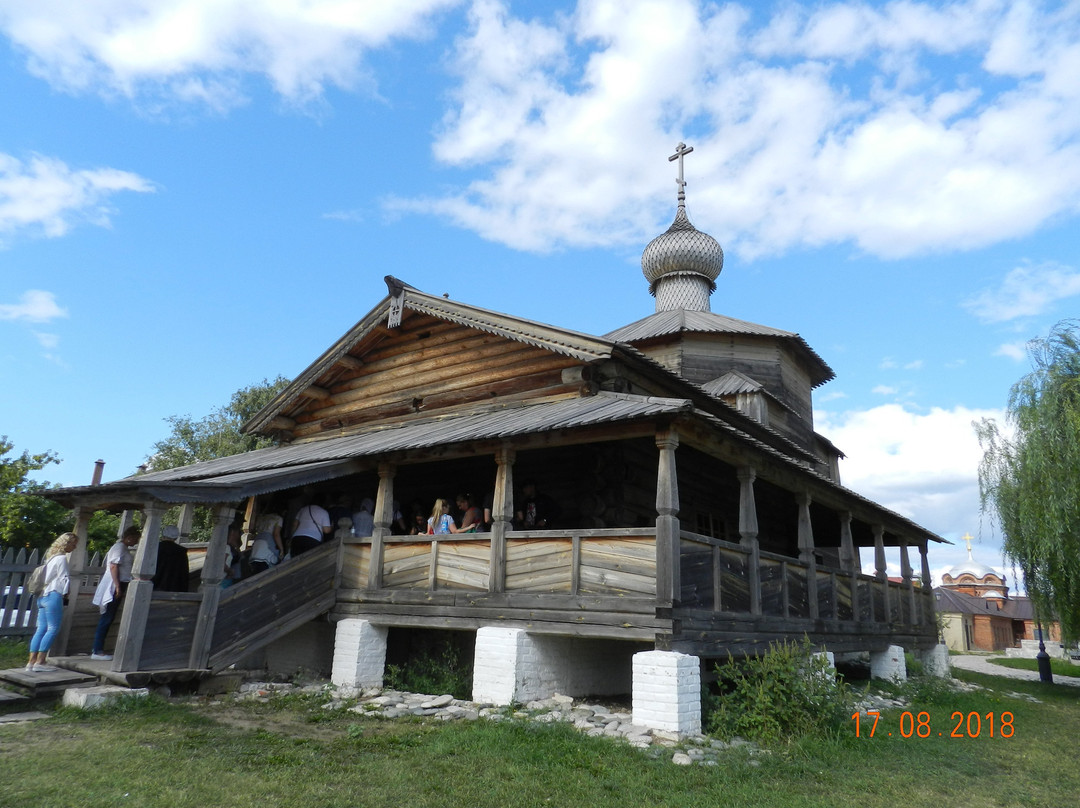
(680, 152)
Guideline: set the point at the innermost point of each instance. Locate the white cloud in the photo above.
(35, 306)
(47, 196)
(921, 465)
(47, 341)
(1013, 350)
(1026, 290)
(200, 49)
(831, 125)
(884, 390)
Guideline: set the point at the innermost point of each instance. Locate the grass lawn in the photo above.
(199, 753)
(1059, 667)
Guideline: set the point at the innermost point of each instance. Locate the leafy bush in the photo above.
(779, 696)
(435, 671)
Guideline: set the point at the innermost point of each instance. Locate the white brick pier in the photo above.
(359, 654)
(667, 692)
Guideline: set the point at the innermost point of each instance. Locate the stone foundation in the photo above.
(888, 664)
(667, 692)
(359, 654)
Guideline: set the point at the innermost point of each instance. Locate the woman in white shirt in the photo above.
(51, 602)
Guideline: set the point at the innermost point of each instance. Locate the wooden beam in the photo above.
(213, 572)
(314, 391)
(748, 533)
(806, 550)
(136, 604)
(668, 580)
(384, 517)
(349, 362)
(502, 505)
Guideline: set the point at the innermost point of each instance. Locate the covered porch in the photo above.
(722, 550)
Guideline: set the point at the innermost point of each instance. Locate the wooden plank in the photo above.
(608, 581)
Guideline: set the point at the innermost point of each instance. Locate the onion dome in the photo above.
(682, 264)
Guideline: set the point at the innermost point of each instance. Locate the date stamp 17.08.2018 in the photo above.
(919, 725)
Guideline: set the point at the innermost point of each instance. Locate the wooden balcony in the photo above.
(603, 583)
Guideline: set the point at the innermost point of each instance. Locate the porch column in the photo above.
(668, 578)
(880, 569)
(382, 519)
(77, 565)
(909, 584)
(748, 534)
(137, 600)
(212, 572)
(502, 511)
(806, 551)
(849, 560)
(184, 522)
(927, 586)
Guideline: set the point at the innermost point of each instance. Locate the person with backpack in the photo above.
(55, 583)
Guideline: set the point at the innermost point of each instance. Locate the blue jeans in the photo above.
(50, 612)
(106, 619)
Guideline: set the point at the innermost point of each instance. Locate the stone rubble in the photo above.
(591, 719)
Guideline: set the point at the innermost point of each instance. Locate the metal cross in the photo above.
(681, 151)
(967, 537)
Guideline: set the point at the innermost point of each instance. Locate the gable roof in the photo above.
(573, 344)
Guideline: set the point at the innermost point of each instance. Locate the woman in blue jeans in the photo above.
(51, 602)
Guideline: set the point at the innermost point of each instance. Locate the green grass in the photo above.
(13, 652)
(193, 754)
(1059, 667)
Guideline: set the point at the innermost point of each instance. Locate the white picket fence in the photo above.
(16, 604)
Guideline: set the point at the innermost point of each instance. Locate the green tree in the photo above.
(1030, 480)
(216, 435)
(26, 518)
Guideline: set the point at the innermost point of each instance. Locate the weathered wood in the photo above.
(667, 520)
(137, 599)
(502, 513)
(213, 572)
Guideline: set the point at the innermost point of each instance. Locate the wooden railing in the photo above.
(715, 574)
(17, 607)
(616, 561)
(16, 604)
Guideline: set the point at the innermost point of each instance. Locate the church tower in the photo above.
(766, 373)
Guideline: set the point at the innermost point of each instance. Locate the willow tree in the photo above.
(1029, 478)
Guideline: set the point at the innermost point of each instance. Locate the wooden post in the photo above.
(136, 608)
(748, 534)
(880, 570)
(183, 523)
(501, 515)
(927, 585)
(382, 519)
(77, 566)
(849, 560)
(213, 572)
(668, 574)
(806, 551)
(905, 571)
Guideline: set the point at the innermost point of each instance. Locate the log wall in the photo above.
(426, 365)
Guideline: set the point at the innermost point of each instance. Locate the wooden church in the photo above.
(700, 511)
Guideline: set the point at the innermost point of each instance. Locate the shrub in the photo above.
(433, 671)
(782, 695)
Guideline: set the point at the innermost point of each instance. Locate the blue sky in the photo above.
(199, 194)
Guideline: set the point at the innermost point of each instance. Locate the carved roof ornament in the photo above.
(682, 264)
